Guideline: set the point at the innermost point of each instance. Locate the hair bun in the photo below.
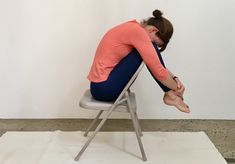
(157, 13)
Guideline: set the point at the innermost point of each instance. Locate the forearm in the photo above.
(172, 75)
(169, 82)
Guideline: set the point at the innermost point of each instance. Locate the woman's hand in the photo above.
(180, 88)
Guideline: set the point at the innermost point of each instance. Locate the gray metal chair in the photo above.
(125, 102)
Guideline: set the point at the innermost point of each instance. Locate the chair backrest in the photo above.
(130, 82)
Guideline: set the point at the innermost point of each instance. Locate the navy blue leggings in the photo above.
(118, 78)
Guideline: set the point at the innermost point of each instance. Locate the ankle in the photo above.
(169, 98)
(170, 94)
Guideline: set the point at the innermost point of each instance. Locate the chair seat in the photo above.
(88, 102)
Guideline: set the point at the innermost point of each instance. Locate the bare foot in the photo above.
(173, 100)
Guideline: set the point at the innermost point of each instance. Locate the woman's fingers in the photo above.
(179, 84)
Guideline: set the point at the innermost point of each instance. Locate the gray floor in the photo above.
(221, 132)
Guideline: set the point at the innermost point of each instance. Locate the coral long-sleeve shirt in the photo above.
(117, 43)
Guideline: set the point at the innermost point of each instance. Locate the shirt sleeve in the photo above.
(141, 41)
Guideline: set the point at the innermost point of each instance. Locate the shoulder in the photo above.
(129, 26)
(133, 25)
(133, 29)
(129, 32)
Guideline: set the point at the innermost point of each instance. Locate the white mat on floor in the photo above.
(108, 147)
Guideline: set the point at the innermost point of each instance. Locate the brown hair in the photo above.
(163, 25)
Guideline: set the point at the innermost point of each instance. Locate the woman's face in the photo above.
(154, 38)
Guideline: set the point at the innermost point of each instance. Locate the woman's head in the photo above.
(164, 28)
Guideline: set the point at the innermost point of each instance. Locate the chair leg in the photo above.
(137, 121)
(136, 129)
(94, 133)
(92, 123)
(138, 124)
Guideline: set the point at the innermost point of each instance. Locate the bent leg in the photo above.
(118, 78)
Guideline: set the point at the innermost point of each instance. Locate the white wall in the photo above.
(47, 47)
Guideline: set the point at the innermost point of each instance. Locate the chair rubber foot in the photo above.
(144, 159)
(76, 158)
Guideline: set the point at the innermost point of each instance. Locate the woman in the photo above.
(121, 51)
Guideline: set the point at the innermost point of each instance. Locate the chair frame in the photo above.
(123, 97)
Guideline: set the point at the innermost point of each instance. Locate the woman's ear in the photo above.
(153, 29)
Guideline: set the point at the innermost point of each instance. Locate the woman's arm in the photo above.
(139, 39)
(170, 82)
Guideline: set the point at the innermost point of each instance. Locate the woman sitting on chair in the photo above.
(122, 50)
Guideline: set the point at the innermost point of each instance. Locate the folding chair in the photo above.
(125, 102)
